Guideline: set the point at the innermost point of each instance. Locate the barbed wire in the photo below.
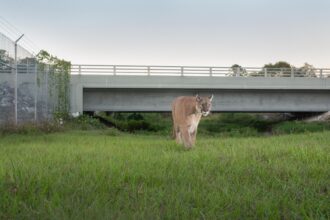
(13, 32)
(18, 32)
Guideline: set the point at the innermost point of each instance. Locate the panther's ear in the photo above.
(198, 98)
(211, 97)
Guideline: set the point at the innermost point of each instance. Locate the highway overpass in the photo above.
(152, 88)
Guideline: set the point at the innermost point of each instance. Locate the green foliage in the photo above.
(234, 124)
(280, 64)
(112, 132)
(31, 128)
(5, 59)
(245, 124)
(135, 116)
(92, 175)
(137, 122)
(307, 70)
(222, 124)
(293, 127)
(58, 82)
(237, 70)
(84, 122)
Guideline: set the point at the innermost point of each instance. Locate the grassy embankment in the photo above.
(114, 175)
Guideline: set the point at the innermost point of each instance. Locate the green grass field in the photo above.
(106, 175)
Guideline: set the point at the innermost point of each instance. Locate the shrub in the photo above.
(31, 128)
(133, 122)
(133, 125)
(135, 116)
(112, 132)
(84, 122)
(235, 123)
(291, 127)
(224, 124)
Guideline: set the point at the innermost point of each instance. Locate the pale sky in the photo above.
(177, 32)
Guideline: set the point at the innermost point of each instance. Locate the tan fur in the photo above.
(186, 114)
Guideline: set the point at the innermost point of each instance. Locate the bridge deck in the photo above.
(240, 94)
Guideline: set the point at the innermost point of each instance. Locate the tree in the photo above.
(283, 68)
(5, 59)
(59, 80)
(280, 64)
(306, 70)
(279, 69)
(237, 70)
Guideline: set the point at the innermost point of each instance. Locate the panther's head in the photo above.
(204, 104)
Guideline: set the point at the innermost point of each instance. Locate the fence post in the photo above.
(182, 71)
(265, 71)
(114, 70)
(79, 69)
(148, 70)
(16, 78)
(211, 73)
(321, 73)
(36, 91)
(292, 72)
(47, 91)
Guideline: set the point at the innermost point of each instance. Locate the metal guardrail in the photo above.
(139, 70)
(21, 68)
(198, 71)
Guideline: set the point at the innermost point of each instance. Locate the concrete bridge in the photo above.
(152, 88)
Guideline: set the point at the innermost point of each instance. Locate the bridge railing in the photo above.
(140, 70)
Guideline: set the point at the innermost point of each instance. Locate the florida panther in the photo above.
(186, 113)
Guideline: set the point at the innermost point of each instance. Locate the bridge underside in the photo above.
(225, 100)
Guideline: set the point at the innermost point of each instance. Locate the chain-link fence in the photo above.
(30, 86)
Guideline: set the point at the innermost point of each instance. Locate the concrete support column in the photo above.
(76, 98)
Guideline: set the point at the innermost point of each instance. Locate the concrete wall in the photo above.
(25, 95)
(155, 93)
(224, 100)
(33, 100)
